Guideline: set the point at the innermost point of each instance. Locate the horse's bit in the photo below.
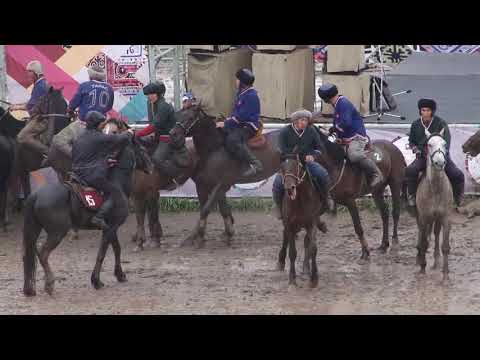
(297, 177)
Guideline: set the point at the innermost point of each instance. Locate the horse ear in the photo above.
(442, 132)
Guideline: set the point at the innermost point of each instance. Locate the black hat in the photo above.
(327, 91)
(245, 76)
(94, 118)
(155, 88)
(427, 103)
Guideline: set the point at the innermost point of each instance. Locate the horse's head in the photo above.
(188, 121)
(437, 150)
(51, 103)
(472, 145)
(293, 174)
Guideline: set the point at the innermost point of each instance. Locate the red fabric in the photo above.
(147, 131)
(93, 199)
(164, 138)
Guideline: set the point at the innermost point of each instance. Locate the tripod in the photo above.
(381, 110)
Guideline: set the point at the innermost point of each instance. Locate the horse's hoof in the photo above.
(292, 283)
(199, 244)
(138, 248)
(97, 284)
(153, 244)
(29, 292)
(446, 277)
(49, 287)
(280, 266)
(382, 249)
(121, 277)
(365, 255)
(314, 283)
(227, 239)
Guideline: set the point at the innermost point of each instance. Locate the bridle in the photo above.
(299, 178)
(187, 129)
(440, 151)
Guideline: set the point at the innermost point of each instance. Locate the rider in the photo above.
(29, 134)
(417, 140)
(244, 122)
(188, 100)
(299, 134)
(90, 161)
(92, 95)
(349, 127)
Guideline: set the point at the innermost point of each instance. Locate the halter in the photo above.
(187, 129)
(297, 177)
(436, 151)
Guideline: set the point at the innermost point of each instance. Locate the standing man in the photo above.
(350, 129)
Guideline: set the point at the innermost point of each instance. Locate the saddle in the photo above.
(259, 140)
(90, 198)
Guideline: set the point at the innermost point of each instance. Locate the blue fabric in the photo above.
(246, 110)
(347, 120)
(316, 170)
(92, 96)
(39, 89)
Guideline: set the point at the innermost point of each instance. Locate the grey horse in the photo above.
(434, 203)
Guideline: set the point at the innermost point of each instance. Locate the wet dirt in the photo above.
(242, 279)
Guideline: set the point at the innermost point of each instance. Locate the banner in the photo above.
(65, 66)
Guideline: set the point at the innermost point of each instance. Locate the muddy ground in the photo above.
(241, 279)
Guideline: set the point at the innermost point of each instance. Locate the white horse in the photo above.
(434, 203)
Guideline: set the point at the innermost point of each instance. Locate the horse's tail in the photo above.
(31, 231)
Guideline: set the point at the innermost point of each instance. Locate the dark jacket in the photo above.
(308, 142)
(162, 115)
(418, 138)
(91, 150)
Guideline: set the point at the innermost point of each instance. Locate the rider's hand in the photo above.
(131, 131)
(220, 124)
(309, 158)
(332, 130)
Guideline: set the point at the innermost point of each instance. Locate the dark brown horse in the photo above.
(350, 183)
(472, 145)
(301, 208)
(145, 193)
(217, 171)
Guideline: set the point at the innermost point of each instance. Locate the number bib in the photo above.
(92, 199)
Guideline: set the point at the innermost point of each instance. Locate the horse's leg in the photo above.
(446, 247)
(396, 190)
(382, 206)
(118, 272)
(53, 240)
(436, 254)
(292, 254)
(3, 209)
(156, 231)
(352, 208)
(226, 212)
(424, 231)
(306, 257)
(140, 208)
(198, 233)
(312, 245)
(283, 252)
(95, 278)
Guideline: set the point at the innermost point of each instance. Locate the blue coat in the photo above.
(246, 110)
(40, 88)
(92, 96)
(347, 120)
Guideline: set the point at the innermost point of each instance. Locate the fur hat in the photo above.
(327, 91)
(301, 114)
(95, 72)
(36, 67)
(156, 87)
(427, 103)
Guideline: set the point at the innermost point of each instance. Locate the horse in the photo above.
(434, 202)
(471, 147)
(301, 207)
(55, 208)
(145, 194)
(9, 128)
(350, 184)
(217, 171)
(52, 107)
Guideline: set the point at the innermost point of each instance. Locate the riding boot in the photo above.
(277, 205)
(98, 220)
(458, 193)
(374, 175)
(255, 164)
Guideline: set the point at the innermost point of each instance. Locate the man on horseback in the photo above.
(350, 129)
(168, 157)
(430, 123)
(91, 153)
(92, 95)
(188, 100)
(305, 139)
(244, 123)
(36, 125)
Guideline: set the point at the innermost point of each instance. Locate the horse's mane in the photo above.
(9, 125)
(206, 136)
(333, 150)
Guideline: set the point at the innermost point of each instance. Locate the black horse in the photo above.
(56, 209)
(9, 128)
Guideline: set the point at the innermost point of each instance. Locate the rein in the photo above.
(297, 177)
(340, 176)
